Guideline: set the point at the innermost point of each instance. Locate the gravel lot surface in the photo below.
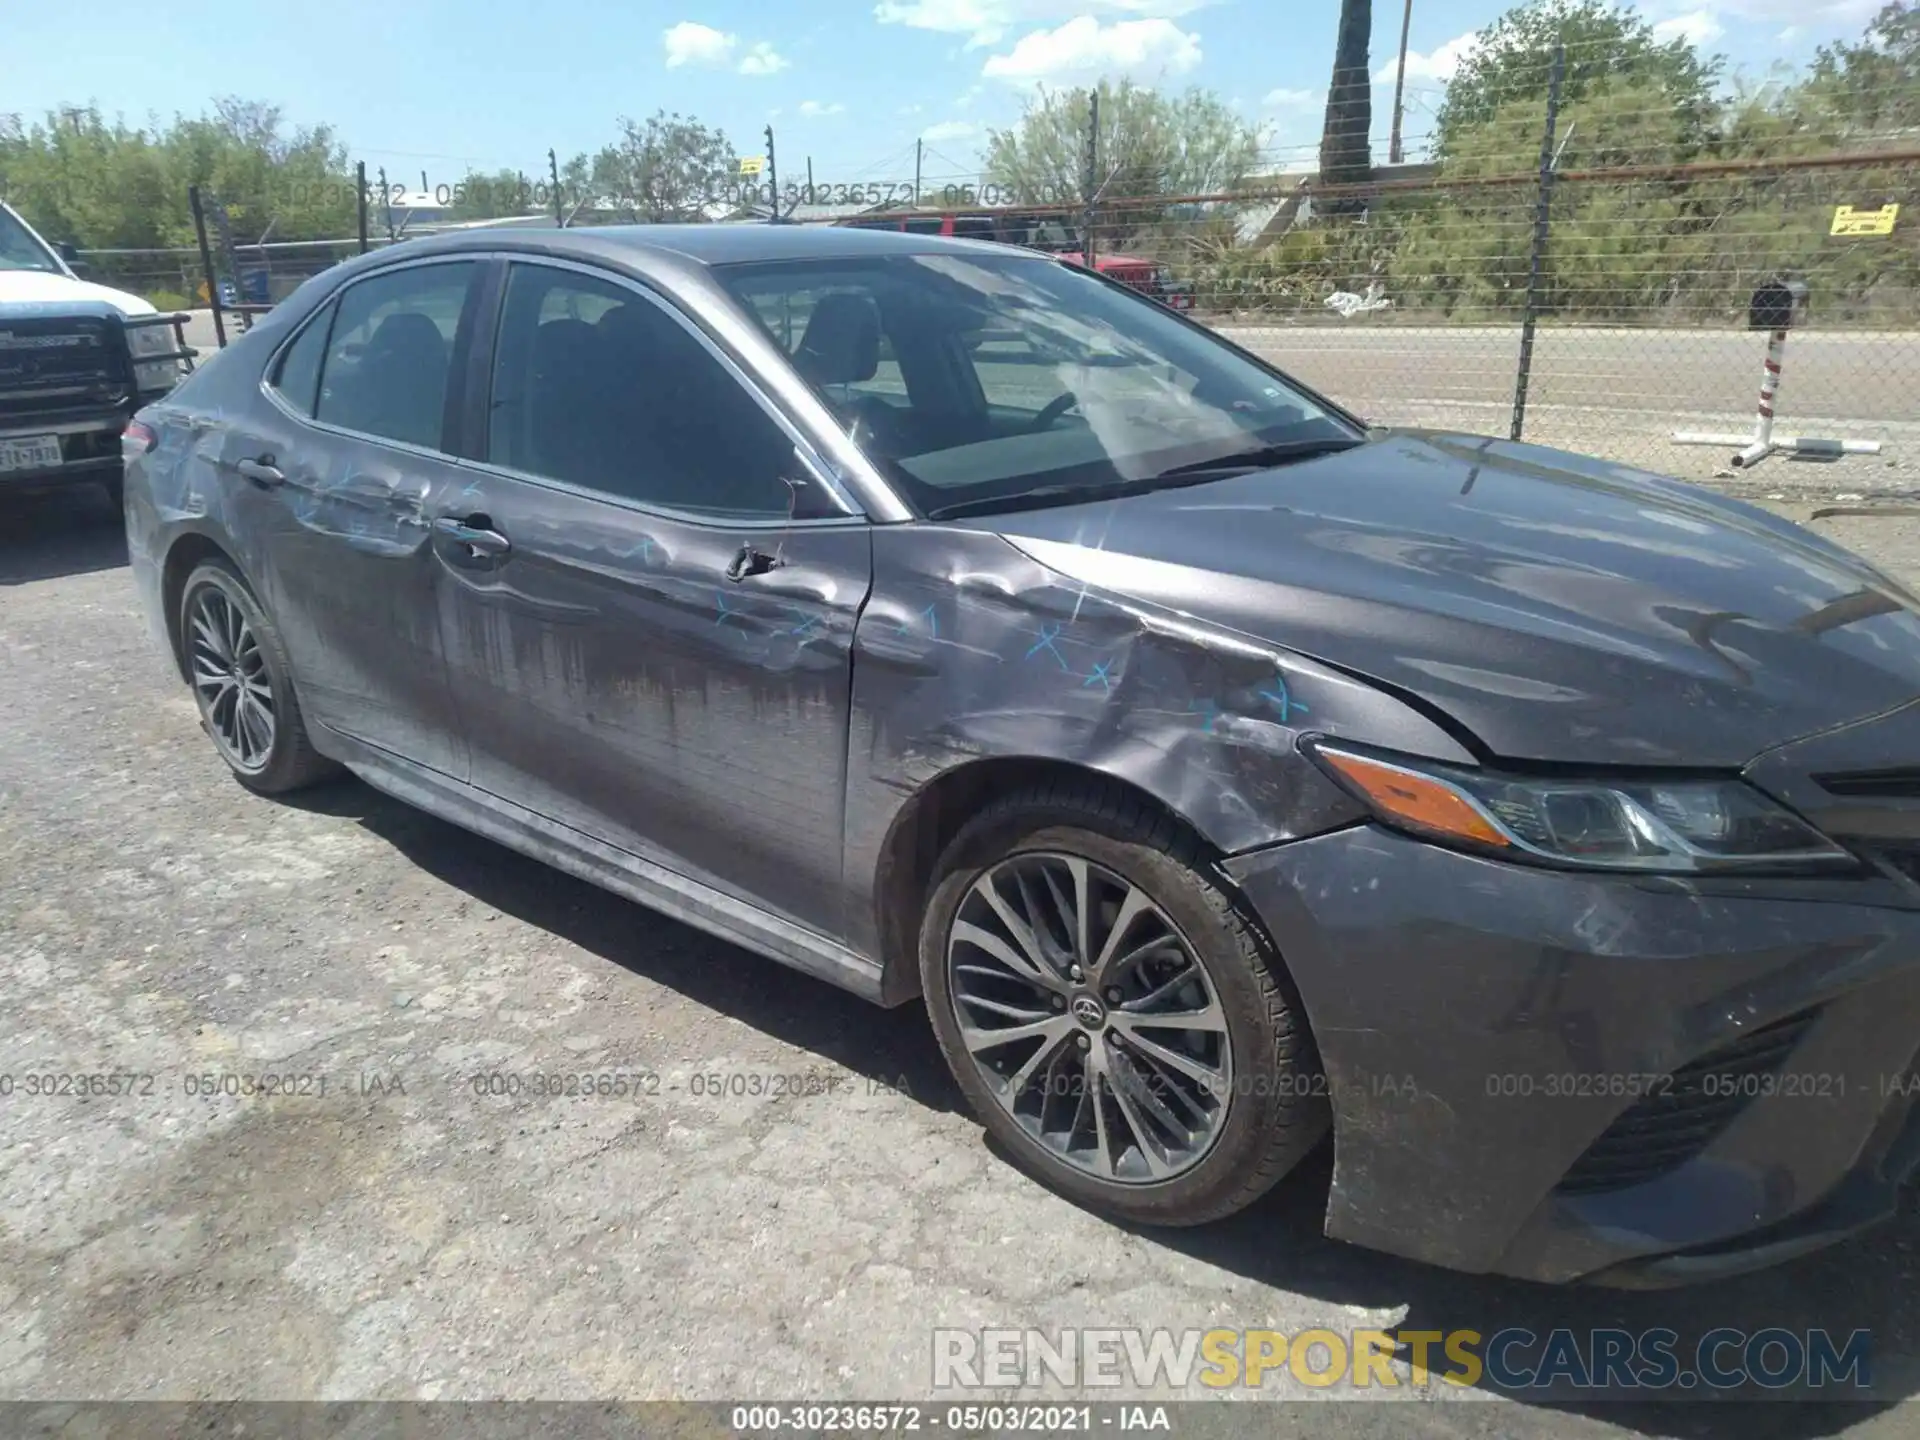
(403, 1236)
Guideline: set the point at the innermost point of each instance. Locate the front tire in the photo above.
(1118, 1026)
(243, 684)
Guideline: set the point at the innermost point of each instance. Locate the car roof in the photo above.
(720, 243)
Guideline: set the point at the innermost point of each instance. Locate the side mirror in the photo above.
(70, 256)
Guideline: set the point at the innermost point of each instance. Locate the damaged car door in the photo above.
(649, 597)
(343, 463)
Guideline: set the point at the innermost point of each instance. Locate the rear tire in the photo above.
(242, 683)
(1182, 1083)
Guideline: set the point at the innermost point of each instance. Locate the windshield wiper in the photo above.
(1038, 498)
(1197, 473)
(1265, 457)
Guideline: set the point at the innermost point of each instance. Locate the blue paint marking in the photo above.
(642, 547)
(809, 623)
(472, 489)
(1101, 672)
(1048, 634)
(724, 612)
(902, 627)
(1208, 709)
(1282, 701)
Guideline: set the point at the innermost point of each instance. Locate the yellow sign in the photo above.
(1849, 221)
(752, 164)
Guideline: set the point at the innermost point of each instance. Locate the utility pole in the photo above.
(809, 195)
(918, 147)
(553, 169)
(1090, 185)
(773, 182)
(1396, 154)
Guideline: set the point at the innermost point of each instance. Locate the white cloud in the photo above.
(763, 59)
(815, 108)
(950, 130)
(908, 110)
(1084, 49)
(1437, 64)
(984, 22)
(689, 43)
(1290, 99)
(1696, 27)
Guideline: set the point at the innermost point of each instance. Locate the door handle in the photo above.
(749, 562)
(475, 532)
(262, 471)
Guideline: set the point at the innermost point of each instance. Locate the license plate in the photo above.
(33, 452)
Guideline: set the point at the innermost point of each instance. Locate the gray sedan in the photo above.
(948, 621)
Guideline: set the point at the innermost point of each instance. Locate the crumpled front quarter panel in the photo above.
(969, 650)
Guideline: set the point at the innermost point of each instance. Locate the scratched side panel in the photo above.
(968, 650)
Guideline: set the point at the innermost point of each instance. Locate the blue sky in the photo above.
(439, 86)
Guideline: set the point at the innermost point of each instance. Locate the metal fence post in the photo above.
(206, 264)
(360, 200)
(1542, 224)
(1091, 185)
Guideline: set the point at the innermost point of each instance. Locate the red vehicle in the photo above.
(1051, 232)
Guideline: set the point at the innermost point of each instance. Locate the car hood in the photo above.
(39, 287)
(1559, 608)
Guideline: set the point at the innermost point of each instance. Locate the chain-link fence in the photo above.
(1416, 310)
(1572, 257)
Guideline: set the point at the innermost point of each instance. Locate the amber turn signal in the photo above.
(1417, 801)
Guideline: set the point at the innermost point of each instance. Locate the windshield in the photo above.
(19, 249)
(978, 379)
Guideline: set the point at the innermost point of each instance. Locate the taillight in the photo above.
(137, 439)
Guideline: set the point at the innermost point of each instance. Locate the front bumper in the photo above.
(1636, 1080)
(89, 447)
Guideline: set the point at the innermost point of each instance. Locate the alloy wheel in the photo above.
(1090, 1017)
(230, 679)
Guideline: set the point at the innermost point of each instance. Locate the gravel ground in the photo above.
(401, 1236)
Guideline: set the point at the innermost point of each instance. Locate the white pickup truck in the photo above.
(76, 360)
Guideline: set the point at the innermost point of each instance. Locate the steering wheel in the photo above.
(1055, 408)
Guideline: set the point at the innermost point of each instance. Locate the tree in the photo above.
(1150, 144)
(1346, 154)
(1512, 60)
(669, 168)
(1871, 87)
(295, 183)
(491, 194)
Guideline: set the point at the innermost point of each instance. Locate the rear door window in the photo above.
(391, 351)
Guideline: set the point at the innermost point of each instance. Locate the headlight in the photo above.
(153, 339)
(1686, 826)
